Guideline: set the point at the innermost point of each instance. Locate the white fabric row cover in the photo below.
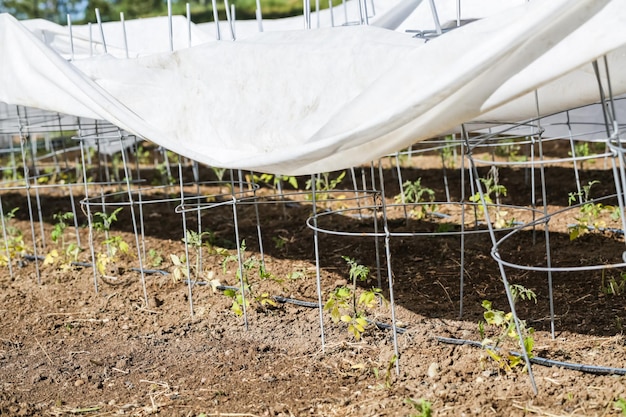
(301, 102)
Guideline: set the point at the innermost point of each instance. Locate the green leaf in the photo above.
(124, 248)
(481, 329)
(236, 308)
(361, 321)
(352, 329)
(498, 318)
(512, 332)
(51, 257)
(56, 234)
(266, 299)
(529, 344)
(368, 299)
(515, 361)
(346, 318)
(489, 317)
(620, 404)
(343, 292)
(102, 262)
(175, 260)
(492, 353)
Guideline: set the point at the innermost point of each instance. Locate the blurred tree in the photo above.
(54, 10)
(108, 10)
(83, 11)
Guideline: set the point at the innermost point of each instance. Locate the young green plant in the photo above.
(448, 152)
(582, 150)
(343, 304)
(14, 242)
(504, 323)
(620, 404)
(275, 182)
(248, 267)
(510, 149)
(155, 258)
(492, 192)
(415, 193)
(115, 245)
(69, 251)
(591, 215)
(422, 407)
(388, 372)
(613, 285)
(324, 185)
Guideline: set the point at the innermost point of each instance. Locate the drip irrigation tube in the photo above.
(301, 303)
(618, 232)
(592, 369)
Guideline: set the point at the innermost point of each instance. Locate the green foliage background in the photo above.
(83, 11)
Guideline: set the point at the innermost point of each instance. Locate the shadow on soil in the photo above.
(426, 268)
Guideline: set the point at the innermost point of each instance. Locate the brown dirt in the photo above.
(66, 349)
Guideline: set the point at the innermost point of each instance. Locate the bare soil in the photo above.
(67, 349)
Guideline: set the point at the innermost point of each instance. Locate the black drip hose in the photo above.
(301, 303)
(592, 369)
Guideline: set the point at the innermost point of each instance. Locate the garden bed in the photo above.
(66, 349)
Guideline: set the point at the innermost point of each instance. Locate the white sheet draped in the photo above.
(301, 102)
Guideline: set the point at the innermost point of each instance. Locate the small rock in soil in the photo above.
(433, 370)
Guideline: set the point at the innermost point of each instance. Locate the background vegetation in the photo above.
(83, 11)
